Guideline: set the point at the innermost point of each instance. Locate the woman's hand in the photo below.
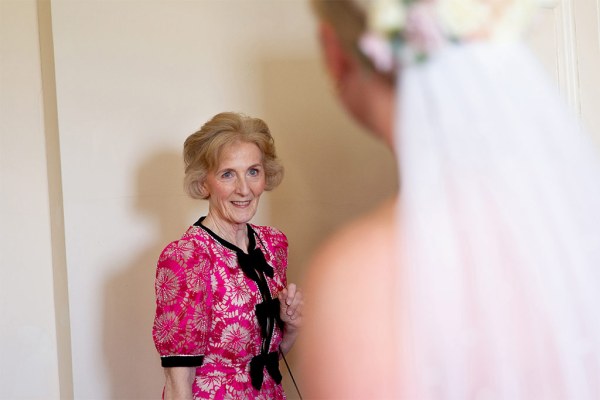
(290, 312)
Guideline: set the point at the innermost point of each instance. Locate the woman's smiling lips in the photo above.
(241, 203)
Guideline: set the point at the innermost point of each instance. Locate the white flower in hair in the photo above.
(515, 19)
(423, 32)
(379, 50)
(464, 18)
(486, 19)
(405, 31)
(387, 16)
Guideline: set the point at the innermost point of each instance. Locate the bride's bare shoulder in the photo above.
(348, 333)
(368, 238)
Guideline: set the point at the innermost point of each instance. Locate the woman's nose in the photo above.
(242, 186)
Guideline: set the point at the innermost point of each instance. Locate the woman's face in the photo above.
(234, 188)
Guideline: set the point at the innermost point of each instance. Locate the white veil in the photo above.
(499, 216)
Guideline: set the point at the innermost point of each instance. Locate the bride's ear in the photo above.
(337, 60)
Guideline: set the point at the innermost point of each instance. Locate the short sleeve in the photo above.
(183, 304)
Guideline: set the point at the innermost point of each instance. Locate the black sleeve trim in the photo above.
(181, 361)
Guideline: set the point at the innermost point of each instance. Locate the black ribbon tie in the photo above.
(252, 262)
(265, 310)
(261, 361)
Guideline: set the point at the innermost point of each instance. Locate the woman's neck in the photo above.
(236, 234)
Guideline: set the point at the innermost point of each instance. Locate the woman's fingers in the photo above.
(291, 302)
(295, 305)
(291, 293)
(283, 297)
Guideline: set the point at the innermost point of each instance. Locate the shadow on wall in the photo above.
(132, 362)
(334, 172)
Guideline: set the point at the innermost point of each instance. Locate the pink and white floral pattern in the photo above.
(205, 307)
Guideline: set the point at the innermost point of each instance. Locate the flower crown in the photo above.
(407, 31)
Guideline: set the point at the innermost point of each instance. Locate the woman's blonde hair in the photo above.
(202, 149)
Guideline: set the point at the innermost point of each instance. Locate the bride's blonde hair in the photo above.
(349, 19)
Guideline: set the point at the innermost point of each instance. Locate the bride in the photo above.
(482, 278)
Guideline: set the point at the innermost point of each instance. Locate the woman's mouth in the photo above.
(241, 203)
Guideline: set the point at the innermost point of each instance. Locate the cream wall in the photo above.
(566, 38)
(101, 143)
(28, 342)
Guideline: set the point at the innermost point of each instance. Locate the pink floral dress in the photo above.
(206, 312)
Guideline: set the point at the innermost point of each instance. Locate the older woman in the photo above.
(224, 310)
(481, 279)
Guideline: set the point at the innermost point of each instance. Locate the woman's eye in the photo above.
(253, 172)
(226, 174)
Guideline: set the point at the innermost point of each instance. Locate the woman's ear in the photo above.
(203, 189)
(337, 60)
